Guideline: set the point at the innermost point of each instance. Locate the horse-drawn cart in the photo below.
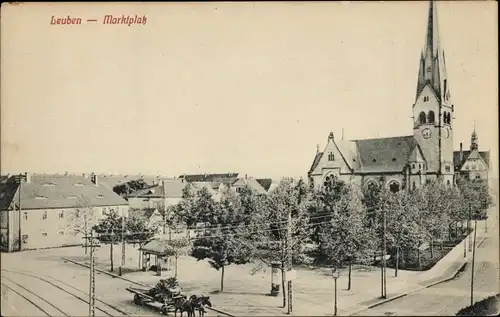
(160, 297)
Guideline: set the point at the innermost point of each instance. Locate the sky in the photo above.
(229, 87)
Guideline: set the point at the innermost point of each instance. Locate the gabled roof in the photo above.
(457, 163)
(57, 191)
(226, 178)
(251, 183)
(374, 155)
(316, 161)
(385, 154)
(265, 183)
(197, 186)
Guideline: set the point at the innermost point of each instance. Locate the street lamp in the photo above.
(335, 275)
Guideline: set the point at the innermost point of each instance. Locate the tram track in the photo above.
(26, 299)
(45, 279)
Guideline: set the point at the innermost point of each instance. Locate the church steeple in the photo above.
(432, 70)
(473, 140)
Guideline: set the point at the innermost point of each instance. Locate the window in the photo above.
(25, 216)
(430, 117)
(414, 185)
(394, 186)
(428, 69)
(25, 238)
(478, 176)
(448, 182)
(419, 166)
(44, 234)
(413, 165)
(61, 214)
(447, 168)
(394, 159)
(44, 215)
(422, 117)
(331, 156)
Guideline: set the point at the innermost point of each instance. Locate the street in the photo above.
(448, 298)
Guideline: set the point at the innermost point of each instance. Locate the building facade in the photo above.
(472, 164)
(44, 211)
(402, 162)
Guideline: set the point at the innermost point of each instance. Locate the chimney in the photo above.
(461, 155)
(94, 179)
(66, 173)
(28, 177)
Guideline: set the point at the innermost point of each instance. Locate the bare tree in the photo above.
(82, 218)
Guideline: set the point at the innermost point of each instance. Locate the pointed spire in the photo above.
(432, 69)
(432, 36)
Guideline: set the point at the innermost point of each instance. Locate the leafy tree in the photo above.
(403, 234)
(179, 247)
(137, 230)
(345, 238)
(434, 211)
(266, 236)
(476, 196)
(109, 231)
(218, 243)
(129, 187)
(322, 208)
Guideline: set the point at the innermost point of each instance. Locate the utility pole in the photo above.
(468, 227)
(20, 212)
(384, 272)
(473, 258)
(289, 250)
(92, 273)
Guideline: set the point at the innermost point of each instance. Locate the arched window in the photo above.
(414, 185)
(329, 181)
(448, 183)
(421, 117)
(394, 186)
(331, 156)
(448, 118)
(430, 117)
(371, 184)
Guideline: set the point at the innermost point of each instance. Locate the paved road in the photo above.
(448, 298)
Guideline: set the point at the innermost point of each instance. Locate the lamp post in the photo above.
(335, 275)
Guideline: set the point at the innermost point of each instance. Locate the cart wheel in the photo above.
(137, 299)
(163, 310)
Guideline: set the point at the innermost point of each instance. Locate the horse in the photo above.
(182, 304)
(199, 303)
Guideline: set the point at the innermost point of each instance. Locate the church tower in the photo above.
(433, 109)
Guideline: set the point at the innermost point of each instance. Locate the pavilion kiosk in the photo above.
(275, 278)
(161, 251)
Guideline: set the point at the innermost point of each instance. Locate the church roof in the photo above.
(316, 161)
(374, 155)
(458, 163)
(385, 154)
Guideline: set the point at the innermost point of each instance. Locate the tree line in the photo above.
(339, 225)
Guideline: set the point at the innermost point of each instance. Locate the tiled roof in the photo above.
(227, 178)
(265, 183)
(110, 181)
(58, 191)
(385, 154)
(485, 155)
(173, 189)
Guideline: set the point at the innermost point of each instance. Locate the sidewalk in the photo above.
(246, 294)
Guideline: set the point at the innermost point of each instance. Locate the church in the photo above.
(407, 162)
